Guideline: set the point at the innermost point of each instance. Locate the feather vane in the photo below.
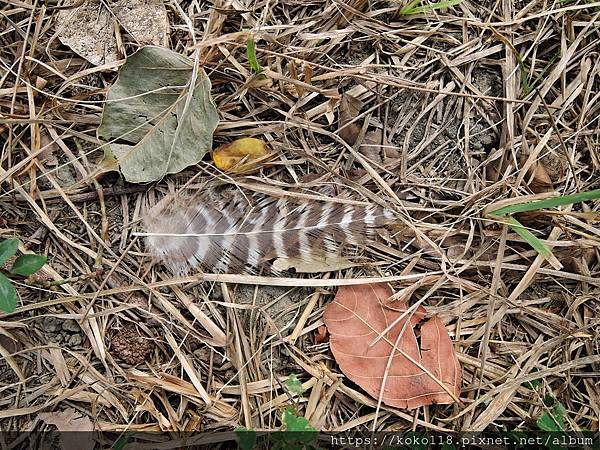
(225, 231)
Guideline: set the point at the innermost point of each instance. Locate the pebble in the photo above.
(75, 340)
(51, 324)
(71, 325)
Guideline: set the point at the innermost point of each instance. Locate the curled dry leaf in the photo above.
(241, 155)
(540, 180)
(67, 422)
(357, 319)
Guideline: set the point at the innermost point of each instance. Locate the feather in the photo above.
(225, 231)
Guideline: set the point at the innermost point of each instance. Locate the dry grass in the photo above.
(449, 94)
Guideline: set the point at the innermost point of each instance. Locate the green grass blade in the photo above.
(408, 8)
(529, 237)
(411, 9)
(251, 52)
(548, 203)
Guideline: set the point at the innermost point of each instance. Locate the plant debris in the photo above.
(130, 346)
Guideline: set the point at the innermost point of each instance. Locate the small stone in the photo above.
(51, 324)
(57, 338)
(75, 340)
(71, 325)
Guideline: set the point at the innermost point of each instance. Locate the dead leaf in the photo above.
(51, 149)
(372, 146)
(146, 21)
(89, 29)
(349, 109)
(240, 155)
(68, 421)
(540, 180)
(359, 315)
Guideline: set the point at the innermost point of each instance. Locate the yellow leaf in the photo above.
(241, 155)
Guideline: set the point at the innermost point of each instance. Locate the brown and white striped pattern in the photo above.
(224, 231)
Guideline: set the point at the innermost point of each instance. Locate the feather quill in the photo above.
(225, 231)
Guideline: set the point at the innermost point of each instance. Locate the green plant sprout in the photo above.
(252, 59)
(506, 212)
(294, 385)
(413, 7)
(24, 266)
(553, 419)
(296, 432)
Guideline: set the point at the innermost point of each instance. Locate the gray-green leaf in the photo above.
(7, 249)
(8, 295)
(154, 122)
(28, 264)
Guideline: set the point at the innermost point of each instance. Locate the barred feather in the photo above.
(228, 232)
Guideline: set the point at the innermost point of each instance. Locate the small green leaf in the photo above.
(294, 385)
(553, 419)
(448, 447)
(296, 433)
(246, 438)
(293, 422)
(529, 237)
(418, 440)
(8, 295)
(7, 249)
(251, 52)
(533, 384)
(28, 265)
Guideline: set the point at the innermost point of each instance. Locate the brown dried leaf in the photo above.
(349, 109)
(373, 145)
(89, 31)
(68, 421)
(540, 180)
(356, 320)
